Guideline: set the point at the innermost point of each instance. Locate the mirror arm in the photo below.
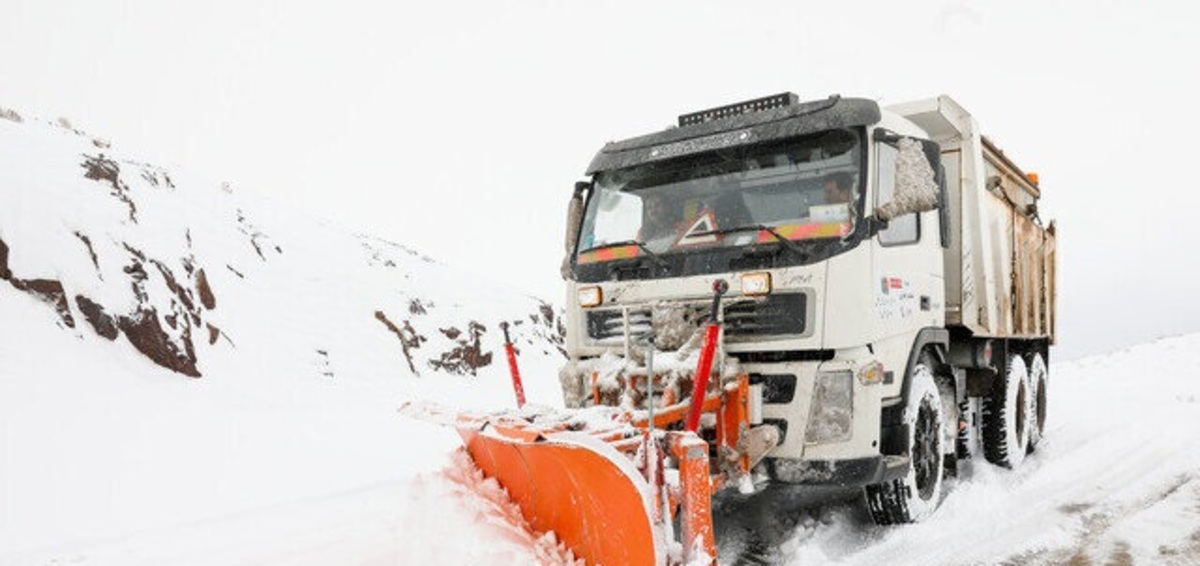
(887, 136)
(875, 225)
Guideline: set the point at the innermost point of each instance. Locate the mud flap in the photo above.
(581, 488)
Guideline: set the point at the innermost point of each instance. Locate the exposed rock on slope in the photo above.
(186, 271)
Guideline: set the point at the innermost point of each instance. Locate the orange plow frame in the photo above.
(603, 489)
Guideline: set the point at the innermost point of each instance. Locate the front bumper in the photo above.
(854, 472)
(791, 401)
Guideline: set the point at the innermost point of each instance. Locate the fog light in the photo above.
(590, 296)
(756, 283)
(832, 410)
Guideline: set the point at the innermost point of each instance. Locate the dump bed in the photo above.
(1000, 266)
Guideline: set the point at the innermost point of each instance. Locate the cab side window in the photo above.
(905, 229)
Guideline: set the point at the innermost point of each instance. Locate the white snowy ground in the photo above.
(105, 459)
(1115, 481)
(131, 468)
(290, 451)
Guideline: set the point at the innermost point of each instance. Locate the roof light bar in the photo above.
(747, 107)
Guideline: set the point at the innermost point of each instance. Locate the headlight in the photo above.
(590, 296)
(832, 410)
(756, 283)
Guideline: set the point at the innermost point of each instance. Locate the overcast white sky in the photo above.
(459, 127)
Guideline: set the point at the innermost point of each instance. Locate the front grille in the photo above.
(777, 389)
(778, 314)
(768, 316)
(784, 356)
(609, 325)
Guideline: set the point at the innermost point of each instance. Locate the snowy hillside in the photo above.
(186, 271)
(171, 352)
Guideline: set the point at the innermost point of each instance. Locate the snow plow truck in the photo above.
(811, 293)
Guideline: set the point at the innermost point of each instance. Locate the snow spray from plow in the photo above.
(613, 483)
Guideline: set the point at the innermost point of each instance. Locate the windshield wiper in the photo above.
(641, 245)
(791, 246)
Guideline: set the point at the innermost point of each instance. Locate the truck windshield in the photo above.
(802, 189)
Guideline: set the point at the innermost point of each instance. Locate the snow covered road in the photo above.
(1115, 481)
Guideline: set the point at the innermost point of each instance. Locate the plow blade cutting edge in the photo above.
(581, 488)
(618, 487)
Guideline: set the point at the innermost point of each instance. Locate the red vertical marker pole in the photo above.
(518, 388)
(704, 367)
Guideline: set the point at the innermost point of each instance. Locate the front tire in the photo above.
(1006, 416)
(915, 496)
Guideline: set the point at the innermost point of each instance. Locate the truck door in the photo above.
(907, 267)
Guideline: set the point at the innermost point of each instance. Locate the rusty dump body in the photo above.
(1000, 277)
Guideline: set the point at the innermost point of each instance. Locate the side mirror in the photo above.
(916, 188)
(574, 219)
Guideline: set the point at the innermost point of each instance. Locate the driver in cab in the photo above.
(838, 187)
(838, 192)
(660, 222)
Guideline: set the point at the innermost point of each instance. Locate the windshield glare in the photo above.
(804, 189)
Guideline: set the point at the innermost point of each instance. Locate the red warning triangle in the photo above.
(695, 234)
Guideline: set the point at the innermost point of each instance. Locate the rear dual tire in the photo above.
(1006, 416)
(1038, 375)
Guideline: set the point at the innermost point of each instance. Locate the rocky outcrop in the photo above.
(46, 290)
(100, 168)
(147, 335)
(206, 295)
(409, 339)
(5, 274)
(49, 291)
(94, 314)
(87, 242)
(468, 356)
(143, 326)
(466, 351)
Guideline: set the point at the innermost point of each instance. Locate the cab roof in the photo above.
(745, 123)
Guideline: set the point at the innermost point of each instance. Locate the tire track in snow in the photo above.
(1115, 481)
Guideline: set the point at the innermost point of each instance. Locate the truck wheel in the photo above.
(915, 496)
(1037, 390)
(1006, 416)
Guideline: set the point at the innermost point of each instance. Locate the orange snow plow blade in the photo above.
(611, 485)
(580, 488)
(618, 486)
